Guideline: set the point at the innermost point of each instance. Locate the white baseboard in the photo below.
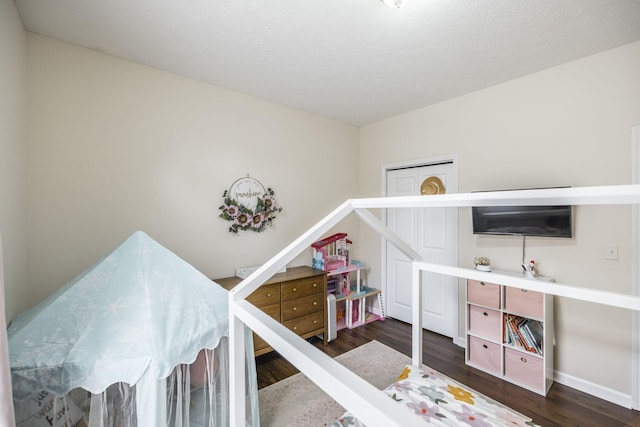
(601, 392)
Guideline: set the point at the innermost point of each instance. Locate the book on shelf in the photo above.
(524, 333)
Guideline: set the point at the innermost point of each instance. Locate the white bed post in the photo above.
(416, 330)
(237, 380)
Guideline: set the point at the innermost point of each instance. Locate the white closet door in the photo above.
(430, 232)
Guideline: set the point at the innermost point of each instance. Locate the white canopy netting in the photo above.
(140, 339)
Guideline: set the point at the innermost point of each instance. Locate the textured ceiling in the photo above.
(357, 61)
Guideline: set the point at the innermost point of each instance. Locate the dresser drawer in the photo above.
(303, 287)
(265, 295)
(301, 306)
(484, 354)
(524, 302)
(483, 293)
(485, 322)
(306, 324)
(524, 368)
(272, 310)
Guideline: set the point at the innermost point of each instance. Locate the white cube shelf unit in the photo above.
(510, 334)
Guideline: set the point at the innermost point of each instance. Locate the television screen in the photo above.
(544, 221)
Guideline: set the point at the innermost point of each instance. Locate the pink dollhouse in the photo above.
(332, 253)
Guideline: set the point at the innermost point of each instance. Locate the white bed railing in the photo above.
(366, 402)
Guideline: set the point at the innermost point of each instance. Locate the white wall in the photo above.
(569, 125)
(13, 157)
(116, 147)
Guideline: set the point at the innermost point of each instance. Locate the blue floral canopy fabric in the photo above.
(132, 318)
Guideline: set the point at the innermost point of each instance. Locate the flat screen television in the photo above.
(542, 221)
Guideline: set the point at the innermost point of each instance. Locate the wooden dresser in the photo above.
(296, 298)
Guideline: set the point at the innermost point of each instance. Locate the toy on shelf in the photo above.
(352, 298)
(349, 294)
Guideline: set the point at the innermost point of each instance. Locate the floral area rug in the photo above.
(296, 401)
(435, 398)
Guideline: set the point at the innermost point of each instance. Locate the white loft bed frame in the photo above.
(363, 400)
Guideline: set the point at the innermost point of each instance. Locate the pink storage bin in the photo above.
(524, 302)
(483, 293)
(524, 368)
(484, 354)
(485, 322)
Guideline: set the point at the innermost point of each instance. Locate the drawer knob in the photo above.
(315, 321)
(523, 290)
(485, 346)
(294, 289)
(268, 295)
(523, 359)
(315, 303)
(295, 328)
(315, 285)
(485, 313)
(481, 283)
(294, 309)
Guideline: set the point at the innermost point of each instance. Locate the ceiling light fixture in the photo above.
(395, 3)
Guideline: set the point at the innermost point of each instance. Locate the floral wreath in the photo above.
(245, 218)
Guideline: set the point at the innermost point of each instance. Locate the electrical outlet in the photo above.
(611, 251)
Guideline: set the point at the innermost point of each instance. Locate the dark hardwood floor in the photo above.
(563, 406)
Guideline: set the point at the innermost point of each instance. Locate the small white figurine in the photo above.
(530, 269)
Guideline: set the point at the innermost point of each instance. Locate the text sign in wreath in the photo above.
(248, 205)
